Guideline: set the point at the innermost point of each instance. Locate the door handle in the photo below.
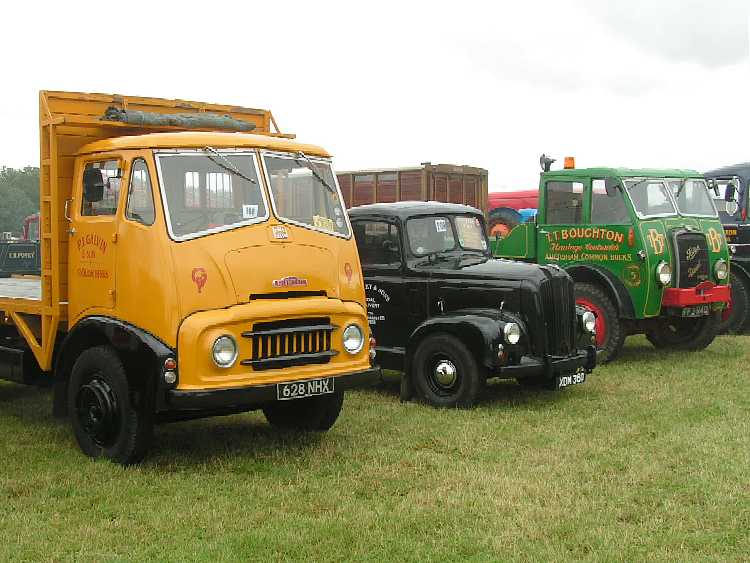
(66, 212)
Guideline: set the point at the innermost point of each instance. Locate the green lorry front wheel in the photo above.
(689, 334)
(610, 334)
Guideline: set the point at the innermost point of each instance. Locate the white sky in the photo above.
(659, 83)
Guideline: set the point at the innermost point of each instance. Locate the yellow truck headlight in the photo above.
(721, 269)
(353, 339)
(663, 273)
(224, 351)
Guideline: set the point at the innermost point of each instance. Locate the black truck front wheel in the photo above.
(313, 414)
(689, 334)
(735, 318)
(610, 334)
(445, 372)
(105, 422)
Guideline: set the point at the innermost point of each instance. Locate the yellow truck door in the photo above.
(93, 228)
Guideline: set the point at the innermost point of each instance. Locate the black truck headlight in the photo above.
(663, 273)
(721, 269)
(511, 333)
(588, 321)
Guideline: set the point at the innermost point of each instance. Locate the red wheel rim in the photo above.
(601, 322)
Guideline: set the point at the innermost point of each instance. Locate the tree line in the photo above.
(19, 197)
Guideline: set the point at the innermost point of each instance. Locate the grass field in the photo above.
(648, 460)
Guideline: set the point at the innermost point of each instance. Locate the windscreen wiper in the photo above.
(311, 167)
(220, 160)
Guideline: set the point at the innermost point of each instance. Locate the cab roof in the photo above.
(199, 139)
(405, 209)
(627, 172)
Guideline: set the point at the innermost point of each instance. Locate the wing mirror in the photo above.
(93, 185)
(730, 193)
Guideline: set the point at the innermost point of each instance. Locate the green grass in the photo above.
(649, 460)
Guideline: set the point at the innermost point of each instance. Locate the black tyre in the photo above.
(735, 319)
(502, 221)
(689, 334)
(610, 334)
(105, 422)
(313, 414)
(445, 372)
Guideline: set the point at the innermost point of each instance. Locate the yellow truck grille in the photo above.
(297, 342)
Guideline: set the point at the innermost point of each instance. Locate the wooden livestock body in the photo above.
(429, 182)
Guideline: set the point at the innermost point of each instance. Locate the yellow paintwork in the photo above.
(119, 268)
(200, 139)
(198, 332)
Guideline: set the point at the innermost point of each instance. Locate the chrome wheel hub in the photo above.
(445, 373)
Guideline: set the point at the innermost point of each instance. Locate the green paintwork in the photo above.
(612, 247)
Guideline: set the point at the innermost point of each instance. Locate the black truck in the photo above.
(730, 184)
(450, 316)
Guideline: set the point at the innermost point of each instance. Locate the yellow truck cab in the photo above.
(189, 268)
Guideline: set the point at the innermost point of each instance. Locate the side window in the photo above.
(564, 203)
(607, 208)
(104, 201)
(140, 197)
(377, 243)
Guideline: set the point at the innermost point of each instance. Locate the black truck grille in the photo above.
(558, 302)
(692, 258)
(297, 342)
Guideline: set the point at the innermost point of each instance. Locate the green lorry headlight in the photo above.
(663, 273)
(721, 269)
(512, 333)
(588, 319)
(353, 339)
(224, 351)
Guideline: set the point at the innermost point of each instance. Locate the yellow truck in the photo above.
(193, 263)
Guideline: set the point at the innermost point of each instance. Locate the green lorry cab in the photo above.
(645, 248)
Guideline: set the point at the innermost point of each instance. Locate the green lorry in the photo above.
(645, 248)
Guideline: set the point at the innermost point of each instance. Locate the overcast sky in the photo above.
(629, 83)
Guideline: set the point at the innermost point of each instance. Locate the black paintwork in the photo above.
(466, 293)
(238, 399)
(737, 226)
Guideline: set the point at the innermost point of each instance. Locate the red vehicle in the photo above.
(508, 209)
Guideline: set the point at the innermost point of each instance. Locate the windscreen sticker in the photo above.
(249, 211)
(441, 225)
(324, 223)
